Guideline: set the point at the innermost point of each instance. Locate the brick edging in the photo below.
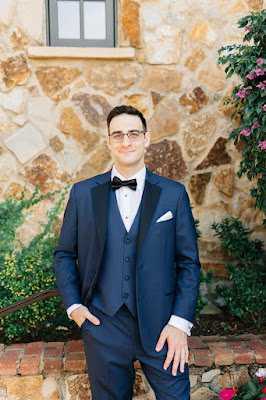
(56, 357)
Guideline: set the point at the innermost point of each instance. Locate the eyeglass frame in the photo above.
(126, 134)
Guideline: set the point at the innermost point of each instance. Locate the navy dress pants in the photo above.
(111, 349)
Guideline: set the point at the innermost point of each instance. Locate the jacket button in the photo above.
(126, 277)
(127, 259)
(125, 295)
(127, 240)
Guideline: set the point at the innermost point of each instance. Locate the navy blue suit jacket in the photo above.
(167, 262)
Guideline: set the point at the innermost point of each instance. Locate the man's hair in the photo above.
(126, 110)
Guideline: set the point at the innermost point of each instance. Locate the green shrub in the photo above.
(27, 270)
(246, 297)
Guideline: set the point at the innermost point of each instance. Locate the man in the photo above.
(135, 288)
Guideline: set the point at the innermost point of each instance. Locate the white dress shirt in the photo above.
(128, 201)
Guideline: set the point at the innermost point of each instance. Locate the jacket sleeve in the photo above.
(66, 254)
(187, 261)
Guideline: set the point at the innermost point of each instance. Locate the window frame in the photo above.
(52, 21)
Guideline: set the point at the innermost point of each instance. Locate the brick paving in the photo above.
(56, 357)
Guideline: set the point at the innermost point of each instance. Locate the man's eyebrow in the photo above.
(130, 130)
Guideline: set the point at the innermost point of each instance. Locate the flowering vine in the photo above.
(249, 99)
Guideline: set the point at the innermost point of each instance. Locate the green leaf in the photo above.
(230, 74)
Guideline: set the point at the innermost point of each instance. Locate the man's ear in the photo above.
(147, 139)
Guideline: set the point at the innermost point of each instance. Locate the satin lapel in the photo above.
(100, 198)
(150, 200)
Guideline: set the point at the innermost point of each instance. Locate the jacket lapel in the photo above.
(150, 200)
(100, 198)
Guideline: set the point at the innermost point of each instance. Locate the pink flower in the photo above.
(262, 145)
(247, 27)
(245, 132)
(250, 76)
(241, 94)
(260, 61)
(247, 88)
(255, 125)
(259, 72)
(264, 107)
(227, 394)
(261, 86)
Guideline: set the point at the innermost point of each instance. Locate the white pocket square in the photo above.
(165, 217)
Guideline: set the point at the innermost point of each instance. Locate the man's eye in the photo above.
(117, 136)
(134, 134)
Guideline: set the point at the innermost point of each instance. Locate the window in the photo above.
(81, 23)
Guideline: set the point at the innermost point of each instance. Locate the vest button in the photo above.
(125, 295)
(127, 259)
(126, 277)
(127, 240)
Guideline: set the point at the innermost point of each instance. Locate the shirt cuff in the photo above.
(181, 323)
(72, 308)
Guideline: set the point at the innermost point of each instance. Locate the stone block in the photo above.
(95, 108)
(165, 158)
(216, 156)
(196, 134)
(112, 78)
(6, 11)
(54, 78)
(56, 144)
(140, 101)
(193, 380)
(161, 79)
(195, 342)
(40, 114)
(223, 180)
(49, 389)
(197, 186)
(18, 38)
(25, 387)
(30, 17)
(204, 32)
(196, 57)
(130, 23)
(71, 125)
(14, 100)
(208, 376)
(212, 76)
(165, 120)
(203, 393)
(233, 378)
(78, 387)
(13, 71)
(195, 101)
(5, 123)
(162, 46)
(25, 143)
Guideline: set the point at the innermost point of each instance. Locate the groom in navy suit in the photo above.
(127, 268)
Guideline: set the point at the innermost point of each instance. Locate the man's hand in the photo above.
(177, 347)
(81, 313)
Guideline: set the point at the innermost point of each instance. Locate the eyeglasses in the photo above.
(133, 135)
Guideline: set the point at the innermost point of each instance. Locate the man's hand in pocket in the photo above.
(81, 313)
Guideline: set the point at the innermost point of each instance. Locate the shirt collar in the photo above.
(139, 176)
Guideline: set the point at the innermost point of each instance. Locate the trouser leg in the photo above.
(109, 355)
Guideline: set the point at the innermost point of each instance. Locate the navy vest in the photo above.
(116, 282)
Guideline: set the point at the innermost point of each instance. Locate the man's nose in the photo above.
(126, 141)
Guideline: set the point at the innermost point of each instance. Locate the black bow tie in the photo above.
(117, 183)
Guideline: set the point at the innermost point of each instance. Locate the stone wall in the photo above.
(57, 370)
(53, 110)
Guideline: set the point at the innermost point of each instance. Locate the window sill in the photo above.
(106, 53)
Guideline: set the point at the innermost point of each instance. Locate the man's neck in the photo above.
(129, 171)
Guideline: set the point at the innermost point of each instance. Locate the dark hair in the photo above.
(126, 110)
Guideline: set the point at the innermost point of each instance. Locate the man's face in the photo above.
(128, 153)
